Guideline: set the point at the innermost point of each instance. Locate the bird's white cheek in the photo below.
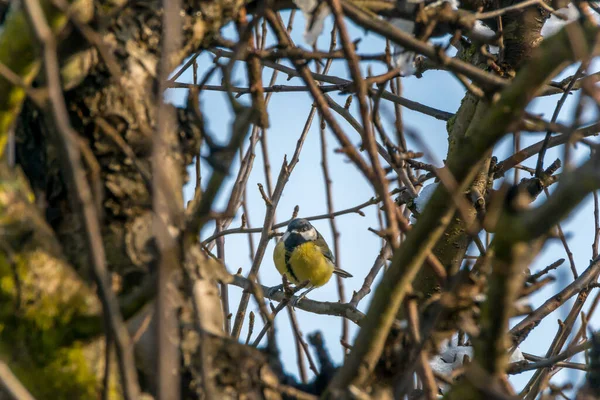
(310, 234)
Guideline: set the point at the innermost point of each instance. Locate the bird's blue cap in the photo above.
(299, 224)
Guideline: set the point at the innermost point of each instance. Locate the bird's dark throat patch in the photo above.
(295, 239)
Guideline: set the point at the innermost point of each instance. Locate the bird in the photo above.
(303, 255)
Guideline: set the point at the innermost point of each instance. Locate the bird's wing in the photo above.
(322, 245)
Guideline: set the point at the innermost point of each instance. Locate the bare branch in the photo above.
(318, 307)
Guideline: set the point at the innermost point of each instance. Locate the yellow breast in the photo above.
(307, 264)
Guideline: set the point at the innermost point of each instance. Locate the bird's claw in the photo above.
(302, 296)
(298, 299)
(274, 290)
(295, 302)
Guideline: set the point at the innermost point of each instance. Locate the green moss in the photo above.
(66, 376)
(40, 297)
(35, 317)
(470, 52)
(47, 305)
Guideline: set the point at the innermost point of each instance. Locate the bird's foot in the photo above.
(274, 290)
(297, 300)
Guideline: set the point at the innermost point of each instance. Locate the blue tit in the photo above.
(303, 255)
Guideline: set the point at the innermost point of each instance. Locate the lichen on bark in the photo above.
(41, 297)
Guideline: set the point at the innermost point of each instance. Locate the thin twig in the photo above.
(223, 286)
(540, 163)
(107, 366)
(250, 327)
(521, 329)
(563, 240)
(596, 226)
(552, 361)
(543, 272)
(524, 154)
(11, 384)
(502, 11)
(284, 302)
(365, 289)
(352, 210)
(412, 105)
(387, 30)
(302, 343)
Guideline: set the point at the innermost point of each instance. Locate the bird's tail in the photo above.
(342, 273)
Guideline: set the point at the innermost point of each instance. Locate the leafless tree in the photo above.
(108, 290)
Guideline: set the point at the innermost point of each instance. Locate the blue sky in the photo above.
(359, 247)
